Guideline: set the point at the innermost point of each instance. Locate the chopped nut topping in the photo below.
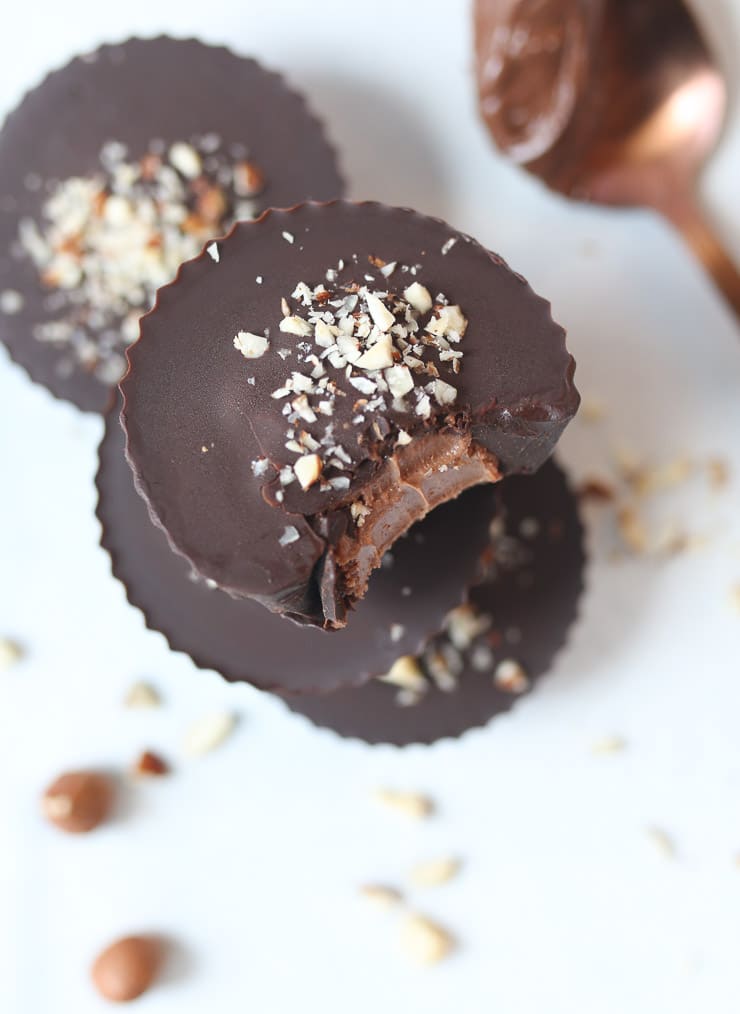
(308, 470)
(289, 237)
(379, 356)
(290, 534)
(464, 624)
(434, 872)
(406, 673)
(411, 804)
(186, 160)
(106, 242)
(209, 732)
(381, 315)
(11, 302)
(591, 410)
(251, 346)
(418, 296)
(425, 941)
(510, 677)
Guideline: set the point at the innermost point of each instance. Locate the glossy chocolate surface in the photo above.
(532, 596)
(429, 573)
(142, 91)
(199, 415)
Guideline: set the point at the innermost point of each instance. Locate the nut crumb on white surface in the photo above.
(425, 941)
(142, 695)
(608, 745)
(208, 733)
(663, 843)
(10, 653)
(411, 804)
(433, 872)
(381, 896)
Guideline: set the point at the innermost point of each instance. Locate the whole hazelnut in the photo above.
(78, 801)
(126, 968)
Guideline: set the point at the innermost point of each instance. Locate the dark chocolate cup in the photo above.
(532, 594)
(135, 92)
(240, 639)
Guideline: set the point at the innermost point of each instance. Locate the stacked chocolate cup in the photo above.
(328, 471)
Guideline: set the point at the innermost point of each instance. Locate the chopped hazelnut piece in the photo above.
(418, 296)
(251, 346)
(381, 315)
(308, 470)
(381, 896)
(406, 673)
(379, 356)
(510, 677)
(434, 872)
(209, 732)
(412, 804)
(425, 941)
(185, 159)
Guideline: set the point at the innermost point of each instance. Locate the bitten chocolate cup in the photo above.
(338, 370)
(426, 575)
(493, 651)
(115, 169)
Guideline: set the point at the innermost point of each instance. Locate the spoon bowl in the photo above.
(612, 101)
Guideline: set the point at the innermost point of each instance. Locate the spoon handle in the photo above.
(706, 244)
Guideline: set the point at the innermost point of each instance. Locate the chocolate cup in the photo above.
(240, 639)
(198, 414)
(533, 601)
(135, 92)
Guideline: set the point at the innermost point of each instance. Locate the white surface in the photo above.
(251, 856)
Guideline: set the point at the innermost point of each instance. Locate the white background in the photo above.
(251, 857)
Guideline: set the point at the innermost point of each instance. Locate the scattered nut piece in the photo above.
(150, 764)
(735, 598)
(308, 470)
(209, 732)
(381, 896)
(213, 252)
(719, 474)
(434, 872)
(142, 695)
(662, 842)
(632, 529)
(251, 346)
(592, 410)
(510, 677)
(10, 653)
(11, 302)
(654, 480)
(412, 804)
(425, 941)
(608, 745)
(78, 801)
(127, 968)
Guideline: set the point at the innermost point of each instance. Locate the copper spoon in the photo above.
(614, 101)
